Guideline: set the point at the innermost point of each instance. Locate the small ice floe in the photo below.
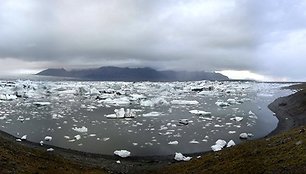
(183, 121)
(200, 113)
(135, 144)
(230, 143)
(219, 145)
(231, 132)
(50, 150)
(118, 162)
(121, 113)
(38, 104)
(181, 157)
(92, 135)
(184, 102)
(237, 119)
(48, 138)
(3, 117)
(24, 137)
(193, 142)
(152, 114)
(231, 101)
(82, 129)
(105, 139)
(41, 143)
(243, 136)
(173, 142)
(122, 153)
(18, 140)
(77, 137)
(222, 104)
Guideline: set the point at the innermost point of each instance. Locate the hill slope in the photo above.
(132, 74)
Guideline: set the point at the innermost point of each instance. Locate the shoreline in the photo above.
(284, 108)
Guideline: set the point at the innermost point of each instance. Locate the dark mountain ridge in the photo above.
(110, 73)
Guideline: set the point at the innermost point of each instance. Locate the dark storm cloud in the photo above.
(171, 34)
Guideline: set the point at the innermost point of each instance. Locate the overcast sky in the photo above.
(248, 38)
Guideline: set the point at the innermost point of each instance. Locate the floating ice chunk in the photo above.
(77, 137)
(41, 103)
(220, 142)
(122, 153)
(222, 104)
(82, 129)
(48, 138)
(184, 102)
(24, 137)
(137, 96)
(230, 143)
(198, 112)
(251, 113)
(130, 113)
(181, 157)
(184, 121)
(152, 114)
(18, 140)
(56, 116)
(118, 162)
(231, 132)
(3, 117)
(7, 97)
(41, 143)
(173, 142)
(243, 135)
(193, 142)
(120, 113)
(238, 119)
(106, 139)
(111, 116)
(92, 135)
(231, 101)
(118, 101)
(50, 150)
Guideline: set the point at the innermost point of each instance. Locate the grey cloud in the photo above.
(181, 34)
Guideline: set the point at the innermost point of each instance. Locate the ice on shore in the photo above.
(50, 150)
(219, 145)
(181, 157)
(24, 137)
(122, 153)
(230, 143)
(82, 129)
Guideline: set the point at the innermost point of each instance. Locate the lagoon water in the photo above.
(76, 114)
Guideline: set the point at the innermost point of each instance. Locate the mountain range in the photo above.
(109, 73)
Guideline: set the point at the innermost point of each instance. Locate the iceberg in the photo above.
(181, 157)
(122, 153)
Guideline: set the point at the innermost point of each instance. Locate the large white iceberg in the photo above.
(122, 153)
(181, 157)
